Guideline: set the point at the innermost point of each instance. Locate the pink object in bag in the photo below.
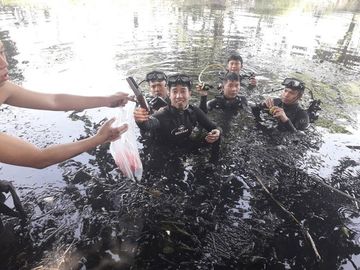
(124, 150)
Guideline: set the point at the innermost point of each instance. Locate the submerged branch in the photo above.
(305, 231)
(322, 182)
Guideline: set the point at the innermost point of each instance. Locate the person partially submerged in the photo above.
(235, 64)
(229, 99)
(286, 109)
(175, 124)
(158, 93)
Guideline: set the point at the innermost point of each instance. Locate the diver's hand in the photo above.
(107, 133)
(141, 115)
(119, 99)
(212, 136)
(279, 114)
(200, 88)
(269, 103)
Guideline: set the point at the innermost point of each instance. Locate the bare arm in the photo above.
(15, 95)
(18, 152)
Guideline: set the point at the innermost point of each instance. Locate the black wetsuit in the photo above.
(298, 118)
(221, 102)
(175, 127)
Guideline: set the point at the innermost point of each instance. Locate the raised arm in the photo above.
(203, 97)
(15, 95)
(18, 152)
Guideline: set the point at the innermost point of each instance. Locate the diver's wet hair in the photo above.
(235, 57)
(231, 76)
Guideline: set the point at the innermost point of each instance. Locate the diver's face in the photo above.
(158, 89)
(4, 73)
(180, 96)
(231, 89)
(290, 96)
(234, 66)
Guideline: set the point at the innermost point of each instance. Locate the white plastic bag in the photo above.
(124, 150)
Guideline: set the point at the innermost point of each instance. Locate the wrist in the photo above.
(109, 102)
(284, 119)
(96, 140)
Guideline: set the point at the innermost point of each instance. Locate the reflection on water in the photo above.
(185, 211)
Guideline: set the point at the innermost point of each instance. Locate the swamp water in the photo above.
(186, 213)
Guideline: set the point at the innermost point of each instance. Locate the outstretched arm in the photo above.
(18, 152)
(145, 121)
(15, 95)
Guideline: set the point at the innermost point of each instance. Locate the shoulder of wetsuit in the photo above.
(193, 112)
(243, 100)
(297, 109)
(193, 109)
(220, 97)
(219, 100)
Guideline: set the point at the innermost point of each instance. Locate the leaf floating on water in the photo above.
(154, 192)
(345, 231)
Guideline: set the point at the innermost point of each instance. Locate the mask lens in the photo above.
(291, 82)
(295, 83)
(155, 76)
(173, 79)
(181, 79)
(184, 79)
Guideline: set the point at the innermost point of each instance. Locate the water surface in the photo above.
(188, 212)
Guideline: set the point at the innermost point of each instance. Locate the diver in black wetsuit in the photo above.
(175, 124)
(229, 100)
(286, 110)
(158, 97)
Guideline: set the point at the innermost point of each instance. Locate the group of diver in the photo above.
(172, 120)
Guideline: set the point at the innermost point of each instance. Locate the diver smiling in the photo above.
(175, 123)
